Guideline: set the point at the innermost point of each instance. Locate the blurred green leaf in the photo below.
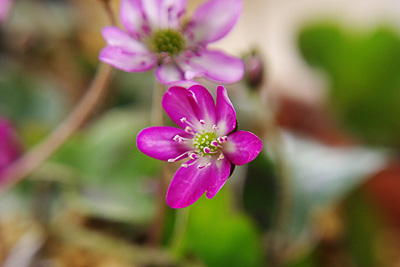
(28, 99)
(221, 236)
(260, 191)
(363, 223)
(364, 69)
(115, 178)
(322, 176)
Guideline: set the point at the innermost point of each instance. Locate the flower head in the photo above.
(155, 36)
(207, 138)
(10, 147)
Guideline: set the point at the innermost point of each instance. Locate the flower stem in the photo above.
(178, 233)
(32, 159)
(284, 191)
(156, 108)
(157, 118)
(284, 188)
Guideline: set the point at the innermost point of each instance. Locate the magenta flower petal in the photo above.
(116, 37)
(190, 183)
(242, 147)
(226, 116)
(203, 105)
(220, 171)
(158, 142)
(218, 66)
(176, 104)
(132, 16)
(214, 19)
(206, 139)
(126, 61)
(10, 147)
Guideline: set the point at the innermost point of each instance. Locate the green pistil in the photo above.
(167, 41)
(204, 139)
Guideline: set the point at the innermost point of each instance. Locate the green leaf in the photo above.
(364, 69)
(220, 235)
(115, 179)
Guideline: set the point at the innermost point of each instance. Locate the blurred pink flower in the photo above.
(208, 139)
(156, 37)
(5, 6)
(10, 147)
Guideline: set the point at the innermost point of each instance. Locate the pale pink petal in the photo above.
(126, 61)
(5, 6)
(218, 66)
(177, 105)
(242, 147)
(116, 37)
(176, 8)
(190, 183)
(226, 116)
(158, 142)
(132, 16)
(214, 19)
(203, 105)
(163, 14)
(183, 83)
(169, 73)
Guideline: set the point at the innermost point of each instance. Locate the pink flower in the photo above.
(5, 6)
(10, 148)
(156, 37)
(207, 138)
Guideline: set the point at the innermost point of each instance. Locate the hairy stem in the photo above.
(32, 159)
(157, 113)
(157, 118)
(284, 188)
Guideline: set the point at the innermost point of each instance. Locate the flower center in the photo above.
(167, 41)
(206, 143)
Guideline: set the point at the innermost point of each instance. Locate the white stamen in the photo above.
(215, 144)
(188, 129)
(181, 139)
(221, 156)
(215, 127)
(222, 139)
(206, 149)
(184, 120)
(202, 166)
(202, 121)
(182, 156)
(185, 165)
(193, 156)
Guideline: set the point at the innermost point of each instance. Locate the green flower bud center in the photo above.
(204, 139)
(168, 41)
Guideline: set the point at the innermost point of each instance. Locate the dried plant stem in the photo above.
(109, 12)
(31, 160)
